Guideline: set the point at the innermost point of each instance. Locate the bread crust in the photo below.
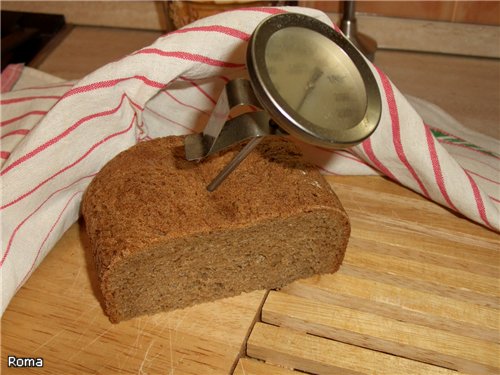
(149, 196)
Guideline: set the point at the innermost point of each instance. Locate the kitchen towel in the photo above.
(56, 135)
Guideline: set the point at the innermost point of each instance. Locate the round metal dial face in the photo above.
(312, 81)
(316, 78)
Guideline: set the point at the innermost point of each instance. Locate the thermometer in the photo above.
(308, 80)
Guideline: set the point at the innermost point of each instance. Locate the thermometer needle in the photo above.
(309, 86)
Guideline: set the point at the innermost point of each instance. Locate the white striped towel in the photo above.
(57, 135)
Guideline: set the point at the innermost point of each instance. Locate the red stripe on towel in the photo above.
(482, 177)
(479, 202)
(199, 89)
(18, 227)
(69, 166)
(17, 118)
(214, 28)
(260, 9)
(111, 83)
(64, 134)
(15, 132)
(436, 166)
(396, 130)
(189, 57)
(47, 237)
(170, 120)
(28, 98)
(367, 147)
(185, 104)
(10, 75)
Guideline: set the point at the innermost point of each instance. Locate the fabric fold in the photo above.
(57, 135)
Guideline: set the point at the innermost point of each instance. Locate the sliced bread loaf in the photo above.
(161, 241)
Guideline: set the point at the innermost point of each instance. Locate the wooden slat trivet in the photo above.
(402, 303)
(248, 366)
(381, 333)
(323, 356)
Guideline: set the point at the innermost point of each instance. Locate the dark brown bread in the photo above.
(161, 241)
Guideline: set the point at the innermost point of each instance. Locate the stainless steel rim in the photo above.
(281, 112)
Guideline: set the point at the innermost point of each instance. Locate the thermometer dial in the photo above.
(313, 82)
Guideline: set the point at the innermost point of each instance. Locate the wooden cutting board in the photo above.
(418, 293)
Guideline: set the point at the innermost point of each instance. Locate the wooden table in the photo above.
(418, 292)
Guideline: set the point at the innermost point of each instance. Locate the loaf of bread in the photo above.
(161, 241)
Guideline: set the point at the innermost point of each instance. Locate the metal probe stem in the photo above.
(233, 164)
(349, 27)
(349, 11)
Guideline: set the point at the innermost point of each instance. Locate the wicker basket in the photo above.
(184, 12)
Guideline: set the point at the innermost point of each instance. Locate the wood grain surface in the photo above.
(411, 266)
(57, 316)
(318, 355)
(418, 293)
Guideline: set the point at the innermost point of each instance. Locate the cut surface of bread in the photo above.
(161, 241)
